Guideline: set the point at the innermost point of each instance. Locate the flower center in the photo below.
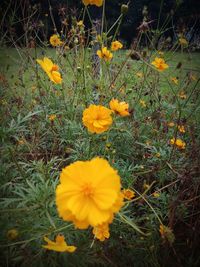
(88, 190)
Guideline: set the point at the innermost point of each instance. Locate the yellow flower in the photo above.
(120, 108)
(174, 80)
(50, 69)
(105, 54)
(101, 232)
(139, 74)
(128, 194)
(89, 193)
(182, 95)
(52, 117)
(93, 2)
(97, 118)
(181, 128)
(171, 124)
(143, 103)
(178, 142)
(160, 53)
(59, 245)
(12, 234)
(21, 141)
(156, 194)
(183, 41)
(80, 23)
(146, 186)
(160, 64)
(157, 155)
(116, 45)
(55, 40)
(166, 233)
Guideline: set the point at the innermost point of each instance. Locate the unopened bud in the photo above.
(124, 9)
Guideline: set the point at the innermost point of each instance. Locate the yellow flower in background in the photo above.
(160, 64)
(181, 128)
(105, 54)
(120, 108)
(55, 40)
(80, 23)
(101, 232)
(128, 194)
(183, 41)
(143, 103)
(116, 45)
(93, 2)
(12, 234)
(171, 124)
(156, 194)
(97, 118)
(178, 142)
(52, 117)
(174, 80)
(139, 74)
(182, 95)
(160, 53)
(166, 233)
(89, 193)
(192, 77)
(59, 245)
(50, 69)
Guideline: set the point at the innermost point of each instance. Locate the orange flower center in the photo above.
(88, 190)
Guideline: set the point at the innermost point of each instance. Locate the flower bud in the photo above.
(124, 9)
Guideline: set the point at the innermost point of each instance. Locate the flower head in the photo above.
(52, 117)
(166, 233)
(55, 40)
(97, 118)
(143, 103)
(89, 193)
(50, 69)
(160, 64)
(171, 124)
(12, 234)
(174, 80)
(116, 45)
(59, 245)
(80, 23)
(101, 232)
(139, 74)
(93, 2)
(156, 194)
(128, 194)
(105, 54)
(181, 128)
(120, 108)
(183, 41)
(178, 142)
(182, 95)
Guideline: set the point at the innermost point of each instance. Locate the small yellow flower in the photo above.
(171, 124)
(178, 142)
(146, 186)
(59, 245)
(183, 41)
(101, 232)
(120, 108)
(55, 40)
(157, 155)
(182, 95)
(156, 194)
(80, 23)
(21, 141)
(93, 2)
(160, 53)
(128, 194)
(143, 103)
(105, 54)
(52, 117)
(166, 233)
(116, 45)
(174, 80)
(12, 234)
(160, 64)
(181, 128)
(50, 69)
(148, 143)
(139, 74)
(97, 118)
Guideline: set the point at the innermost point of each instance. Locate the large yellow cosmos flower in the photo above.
(93, 2)
(120, 108)
(97, 118)
(89, 193)
(51, 70)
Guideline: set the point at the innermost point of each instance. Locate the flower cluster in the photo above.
(178, 143)
(105, 54)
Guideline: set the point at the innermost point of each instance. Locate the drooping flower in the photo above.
(174, 80)
(160, 64)
(12, 234)
(93, 2)
(181, 128)
(59, 245)
(120, 108)
(116, 45)
(51, 69)
(178, 142)
(128, 194)
(105, 54)
(97, 118)
(52, 117)
(89, 193)
(55, 40)
(101, 232)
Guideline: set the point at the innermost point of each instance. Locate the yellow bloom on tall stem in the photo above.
(93, 2)
(59, 245)
(181, 128)
(174, 80)
(97, 118)
(160, 64)
(178, 142)
(101, 232)
(120, 108)
(182, 95)
(128, 194)
(105, 54)
(183, 41)
(89, 193)
(116, 45)
(55, 40)
(51, 69)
